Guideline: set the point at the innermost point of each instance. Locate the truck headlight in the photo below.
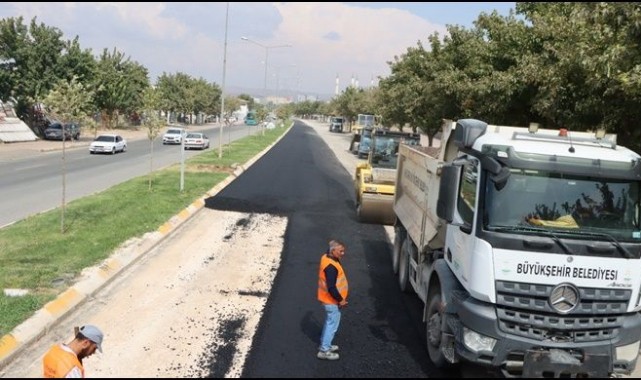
(477, 342)
(367, 178)
(628, 352)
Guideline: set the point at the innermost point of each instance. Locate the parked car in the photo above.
(173, 136)
(108, 143)
(196, 140)
(54, 131)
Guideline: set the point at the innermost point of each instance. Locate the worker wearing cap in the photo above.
(65, 360)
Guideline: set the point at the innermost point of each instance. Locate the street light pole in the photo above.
(222, 94)
(266, 47)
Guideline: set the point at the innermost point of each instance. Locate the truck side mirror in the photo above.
(447, 193)
(500, 179)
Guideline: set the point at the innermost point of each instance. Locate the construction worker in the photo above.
(65, 360)
(332, 293)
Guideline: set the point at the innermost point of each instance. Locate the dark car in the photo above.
(55, 131)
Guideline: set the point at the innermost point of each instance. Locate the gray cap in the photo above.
(93, 334)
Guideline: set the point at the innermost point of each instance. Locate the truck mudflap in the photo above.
(560, 363)
(376, 208)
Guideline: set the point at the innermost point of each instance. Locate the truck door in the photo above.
(460, 239)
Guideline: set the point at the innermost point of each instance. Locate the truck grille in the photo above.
(523, 310)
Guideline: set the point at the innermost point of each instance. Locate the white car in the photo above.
(173, 136)
(108, 143)
(196, 140)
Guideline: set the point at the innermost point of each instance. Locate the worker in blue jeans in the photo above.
(332, 293)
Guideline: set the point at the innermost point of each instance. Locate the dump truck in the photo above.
(336, 124)
(524, 245)
(374, 179)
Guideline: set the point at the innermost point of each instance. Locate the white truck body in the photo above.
(525, 248)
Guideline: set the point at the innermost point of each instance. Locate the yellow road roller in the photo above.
(374, 179)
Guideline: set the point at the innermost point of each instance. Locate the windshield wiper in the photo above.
(614, 241)
(542, 231)
(626, 252)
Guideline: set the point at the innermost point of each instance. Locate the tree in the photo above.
(261, 116)
(152, 121)
(173, 90)
(35, 53)
(206, 97)
(587, 65)
(68, 102)
(248, 99)
(232, 104)
(119, 85)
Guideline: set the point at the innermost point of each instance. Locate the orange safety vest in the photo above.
(61, 362)
(341, 281)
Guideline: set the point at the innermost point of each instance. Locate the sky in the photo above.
(311, 48)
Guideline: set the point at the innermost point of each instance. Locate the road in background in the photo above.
(31, 180)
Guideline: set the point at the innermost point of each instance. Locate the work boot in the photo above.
(332, 348)
(327, 355)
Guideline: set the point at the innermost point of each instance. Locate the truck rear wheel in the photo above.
(404, 267)
(434, 329)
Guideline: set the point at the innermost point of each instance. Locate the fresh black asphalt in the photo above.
(381, 333)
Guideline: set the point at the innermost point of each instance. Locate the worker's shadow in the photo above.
(311, 326)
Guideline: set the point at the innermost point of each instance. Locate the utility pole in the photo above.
(222, 95)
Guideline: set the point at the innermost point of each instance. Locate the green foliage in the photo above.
(232, 103)
(119, 85)
(249, 100)
(69, 101)
(152, 122)
(261, 112)
(35, 51)
(573, 65)
(184, 94)
(206, 97)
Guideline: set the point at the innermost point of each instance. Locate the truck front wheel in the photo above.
(434, 329)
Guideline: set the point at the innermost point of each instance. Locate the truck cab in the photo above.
(336, 124)
(525, 246)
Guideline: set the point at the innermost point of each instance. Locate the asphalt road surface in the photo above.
(232, 293)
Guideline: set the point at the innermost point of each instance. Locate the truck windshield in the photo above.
(577, 205)
(365, 120)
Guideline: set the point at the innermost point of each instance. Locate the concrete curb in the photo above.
(95, 278)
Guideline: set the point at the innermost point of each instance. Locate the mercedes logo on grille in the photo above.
(564, 298)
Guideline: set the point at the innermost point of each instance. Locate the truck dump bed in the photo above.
(417, 191)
